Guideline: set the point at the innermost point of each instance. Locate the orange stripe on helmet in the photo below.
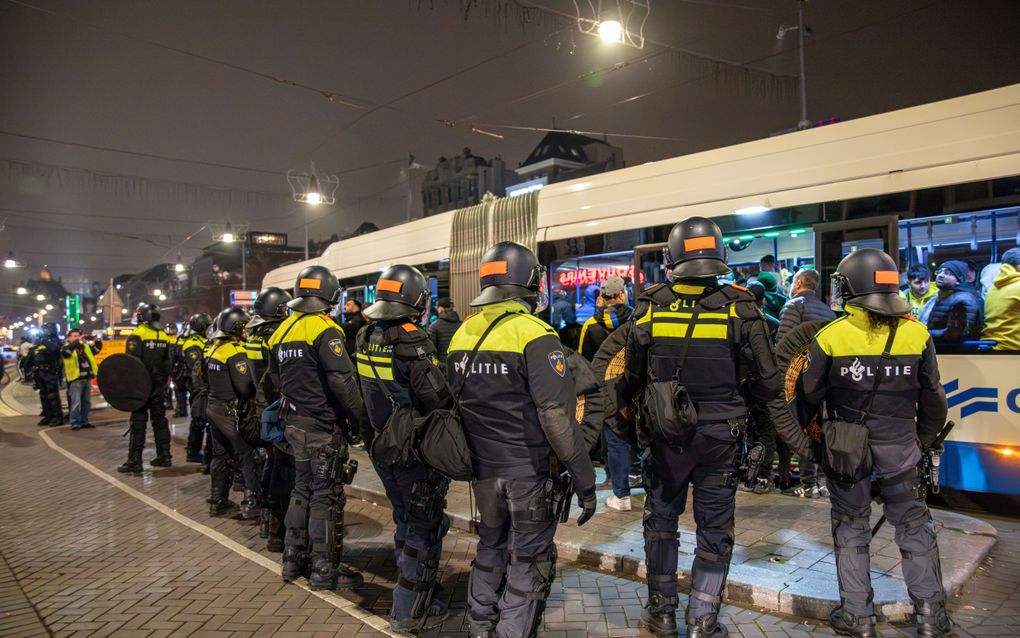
(699, 243)
(887, 277)
(493, 268)
(389, 285)
(313, 284)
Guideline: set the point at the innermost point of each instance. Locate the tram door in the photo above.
(650, 265)
(836, 240)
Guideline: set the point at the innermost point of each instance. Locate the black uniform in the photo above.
(316, 380)
(149, 343)
(230, 389)
(909, 407)
(47, 367)
(278, 473)
(179, 375)
(396, 359)
(518, 407)
(729, 342)
(193, 377)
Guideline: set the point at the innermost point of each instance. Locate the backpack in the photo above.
(393, 445)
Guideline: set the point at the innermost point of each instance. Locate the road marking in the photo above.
(378, 623)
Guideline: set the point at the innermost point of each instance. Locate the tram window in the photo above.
(972, 303)
(783, 252)
(575, 284)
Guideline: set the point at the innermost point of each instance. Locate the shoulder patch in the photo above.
(558, 362)
(337, 346)
(241, 366)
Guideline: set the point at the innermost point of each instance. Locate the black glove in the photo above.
(586, 499)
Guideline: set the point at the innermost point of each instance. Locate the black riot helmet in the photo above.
(401, 292)
(230, 323)
(696, 250)
(145, 313)
(49, 329)
(316, 289)
(868, 278)
(508, 270)
(270, 305)
(199, 323)
(170, 329)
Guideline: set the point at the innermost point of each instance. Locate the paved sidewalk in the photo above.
(782, 561)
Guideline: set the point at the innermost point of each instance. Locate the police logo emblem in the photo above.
(558, 362)
(337, 346)
(193, 356)
(242, 367)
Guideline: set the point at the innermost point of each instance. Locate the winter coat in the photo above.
(598, 328)
(1002, 310)
(955, 317)
(441, 331)
(806, 306)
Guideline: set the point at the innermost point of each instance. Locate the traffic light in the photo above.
(73, 310)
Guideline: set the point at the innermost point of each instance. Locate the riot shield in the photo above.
(124, 382)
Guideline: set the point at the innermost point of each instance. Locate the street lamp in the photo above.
(21, 290)
(610, 31)
(40, 297)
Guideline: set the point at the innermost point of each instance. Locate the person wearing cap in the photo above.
(398, 366)
(695, 339)
(774, 298)
(277, 479)
(518, 407)
(319, 397)
(151, 345)
(876, 367)
(444, 327)
(955, 315)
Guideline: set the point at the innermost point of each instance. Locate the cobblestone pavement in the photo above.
(89, 559)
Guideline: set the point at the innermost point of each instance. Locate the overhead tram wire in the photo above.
(332, 96)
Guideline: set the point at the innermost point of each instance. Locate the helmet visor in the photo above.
(838, 282)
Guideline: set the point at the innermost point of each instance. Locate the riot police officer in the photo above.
(178, 371)
(517, 406)
(397, 364)
(319, 392)
(47, 365)
(693, 417)
(193, 358)
(876, 371)
(278, 472)
(230, 389)
(149, 343)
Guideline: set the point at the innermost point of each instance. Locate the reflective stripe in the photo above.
(365, 370)
(679, 330)
(687, 315)
(378, 358)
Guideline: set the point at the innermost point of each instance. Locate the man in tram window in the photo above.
(955, 314)
(767, 264)
(920, 288)
(1002, 305)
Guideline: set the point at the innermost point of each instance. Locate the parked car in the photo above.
(10, 354)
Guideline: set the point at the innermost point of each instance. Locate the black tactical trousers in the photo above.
(230, 447)
(708, 463)
(515, 542)
(418, 497)
(181, 396)
(315, 515)
(154, 411)
(49, 397)
(905, 509)
(278, 476)
(197, 428)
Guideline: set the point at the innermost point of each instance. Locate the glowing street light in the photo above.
(49, 306)
(610, 31)
(21, 290)
(40, 297)
(157, 292)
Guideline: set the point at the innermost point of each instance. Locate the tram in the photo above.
(927, 184)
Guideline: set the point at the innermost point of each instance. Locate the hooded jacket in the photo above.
(1002, 310)
(441, 331)
(774, 299)
(918, 303)
(598, 328)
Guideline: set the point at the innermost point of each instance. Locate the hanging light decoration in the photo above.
(614, 21)
(313, 188)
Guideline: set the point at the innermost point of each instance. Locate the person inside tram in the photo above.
(955, 313)
(920, 288)
(1002, 305)
(774, 298)
(758, 290)
(970, 279)
(562, 309)
(767, 264)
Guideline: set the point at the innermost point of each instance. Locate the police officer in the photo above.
(877, 367)
(397, 361)
(277, 479)
(149, 343)
(193, 360)
(517, 406)
(178, 372)
(319, 392)
(47, 365)
(230, 389)
(694, 317)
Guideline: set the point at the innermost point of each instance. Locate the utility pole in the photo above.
(804, 122)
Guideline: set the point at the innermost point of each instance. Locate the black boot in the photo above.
(264, 522)
(136, 443)
(132, 466)
(161, 460)
(325, 574)
(295, 563)
(276, 534)
(846, 624)
(932, 620)
(250, 509)
(657, 618)
(221, 507)
(706, 627)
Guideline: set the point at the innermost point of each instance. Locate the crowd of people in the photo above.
(278, 396)
(49, 363)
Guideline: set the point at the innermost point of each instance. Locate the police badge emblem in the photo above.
(242, 367)
(337, 346)
(558, 362)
